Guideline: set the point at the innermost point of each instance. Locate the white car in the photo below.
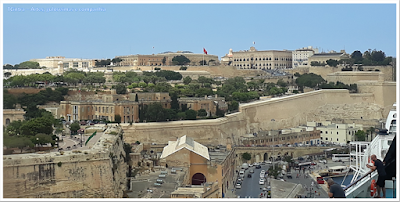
(262, 175)
(238, 185)
(250, 165)
(251, 171)
(261, 182)
(263, 171)
(268, 162)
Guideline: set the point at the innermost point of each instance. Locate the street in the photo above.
(250, 186)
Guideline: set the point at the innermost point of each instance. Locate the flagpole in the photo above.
(203, 58)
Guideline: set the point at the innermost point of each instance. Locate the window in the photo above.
(103, 109)
(106, 109)
(326, 138)
(88, 109)
(75, 64)
(337, 139)
(84, 64)
(66, 65)
(82, 109)
(111, 110)
(337, 133)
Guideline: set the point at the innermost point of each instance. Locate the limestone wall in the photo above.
(99, 172)
(352, 77)
(215, 71)
(276, 113)
(387, 71)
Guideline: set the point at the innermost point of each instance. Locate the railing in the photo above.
(358, 180)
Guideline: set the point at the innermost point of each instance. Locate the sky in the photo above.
(32, 31)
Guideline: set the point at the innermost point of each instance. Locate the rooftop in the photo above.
(187, 143)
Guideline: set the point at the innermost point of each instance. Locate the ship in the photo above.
(384, 147)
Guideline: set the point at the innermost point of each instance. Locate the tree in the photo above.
(169, 75)
(357, 56)
(191, 114)
(164, 60)
(202, 112)
(180, 60)
(233, 106)
(35, 126)
(274, 172)
(246, 156)
(120, 89)
(116, 60)
(187, 80)
(8, 66)
(203, 62)
(117, 118)
(310, 80)
(7, 74)
(9, 100)
(74, 127)
(29, 65)
(42, 139)
(378, 56)
(332, 63)
(360, 135)
(281, 83)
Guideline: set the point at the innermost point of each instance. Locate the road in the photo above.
(250, 186)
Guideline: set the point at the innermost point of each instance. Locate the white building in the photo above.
(300, 56)
(52, 62)
(334, 133)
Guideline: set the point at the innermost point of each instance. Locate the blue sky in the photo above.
(123, 29)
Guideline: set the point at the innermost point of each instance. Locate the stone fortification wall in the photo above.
(388, 71)
(276, 113)
(99, 172)
(215, 71)
(352, 77)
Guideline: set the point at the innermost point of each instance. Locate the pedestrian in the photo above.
(232, 191)
(378, 165)
(334, 190)
(297, 175)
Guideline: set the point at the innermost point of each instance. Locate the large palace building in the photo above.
(254, 59)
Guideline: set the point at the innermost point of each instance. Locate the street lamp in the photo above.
(273, 149)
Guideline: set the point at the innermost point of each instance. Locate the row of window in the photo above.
(337, 139)
(75, 64)
(276, 65)
(350, 132)
(259, 59)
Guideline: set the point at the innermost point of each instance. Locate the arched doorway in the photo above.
(265, 156)
(257, 158)
(7, 121)
(198, 179)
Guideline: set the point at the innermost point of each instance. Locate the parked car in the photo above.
(238, 185)
(261, 182)
(258, 166)
(249, 175)
(241, 173)
(251, 171)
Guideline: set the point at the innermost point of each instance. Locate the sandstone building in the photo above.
(209, 103)
(52, 62)
(254, 59)
(323, 57)
(157, 59)
(300, 56)
(339, 134)
(204, 166)
(10, 115)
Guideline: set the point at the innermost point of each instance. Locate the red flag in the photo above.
(204, 50)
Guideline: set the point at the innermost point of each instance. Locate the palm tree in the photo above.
(370, 131)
